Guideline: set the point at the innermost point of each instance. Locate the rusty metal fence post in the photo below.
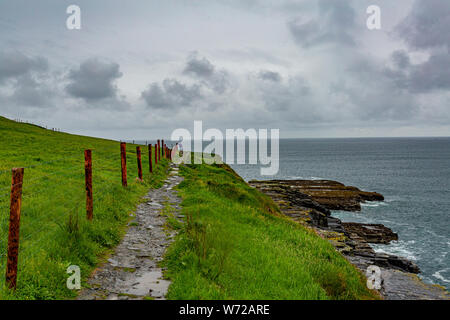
(139, 162)
(14, 227)
(88, 182)
(123, 154)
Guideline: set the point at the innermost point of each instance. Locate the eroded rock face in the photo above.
(372, 233)
(310, 202)
(329, 194)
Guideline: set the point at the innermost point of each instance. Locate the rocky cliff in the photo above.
(310, 202)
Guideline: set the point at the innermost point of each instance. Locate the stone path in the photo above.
(132, 272)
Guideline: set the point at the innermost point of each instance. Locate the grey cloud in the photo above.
(401, 59)
(433, 74)
(15, 64)
(428, 76)
(377, 93)
(94, 80)
(203, 69)
(269, 75)
(31, 93)
(335, 23)
(425, 28)
(287, 97)
(219, 82)
(26, 78)
(171, 94)
(427, 25)
(199, 67)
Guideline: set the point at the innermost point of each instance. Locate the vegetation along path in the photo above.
(133, 271)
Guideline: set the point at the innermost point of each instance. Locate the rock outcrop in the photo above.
(309, 202)
(371, 233)
(330, 194)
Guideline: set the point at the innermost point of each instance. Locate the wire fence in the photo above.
(53, 191)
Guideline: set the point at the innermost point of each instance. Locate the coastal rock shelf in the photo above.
(310, 202)
(330, 194)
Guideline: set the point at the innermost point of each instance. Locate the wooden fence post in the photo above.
(150, 158)
(139, 162)
(123, 155)
(156, 154)
(14, 227)
(88, 181)
(163, 148)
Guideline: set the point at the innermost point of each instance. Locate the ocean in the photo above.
(412, 173)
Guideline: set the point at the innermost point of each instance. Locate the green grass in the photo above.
(236, 245)
(54, 232)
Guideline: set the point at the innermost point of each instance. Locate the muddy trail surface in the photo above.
(132, 272)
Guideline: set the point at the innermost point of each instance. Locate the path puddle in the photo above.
(148, 284)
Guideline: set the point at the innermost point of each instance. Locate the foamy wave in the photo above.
(389, 199)
(398, 248)
(373, 204)
(296, 178)
(439, 276)
(304, 178)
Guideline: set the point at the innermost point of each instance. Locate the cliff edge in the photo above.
(310, 202)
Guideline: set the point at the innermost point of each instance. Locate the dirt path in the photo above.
(132, 272)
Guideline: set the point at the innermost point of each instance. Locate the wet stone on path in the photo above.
(132, 272)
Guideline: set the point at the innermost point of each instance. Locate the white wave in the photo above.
(398, 248)
(373, 204)
(439, 276)
(304, 178)
(389, 199)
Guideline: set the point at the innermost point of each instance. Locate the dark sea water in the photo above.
(412, 173)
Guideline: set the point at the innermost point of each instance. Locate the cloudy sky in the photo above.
(139, 69)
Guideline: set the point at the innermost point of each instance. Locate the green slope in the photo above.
(236, 245)
(54, 232)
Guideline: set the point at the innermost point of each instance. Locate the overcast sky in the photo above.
(139, 69)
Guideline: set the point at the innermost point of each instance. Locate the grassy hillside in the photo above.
(54, 231)
(236, 245)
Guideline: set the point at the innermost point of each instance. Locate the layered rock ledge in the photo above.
(310, 202)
